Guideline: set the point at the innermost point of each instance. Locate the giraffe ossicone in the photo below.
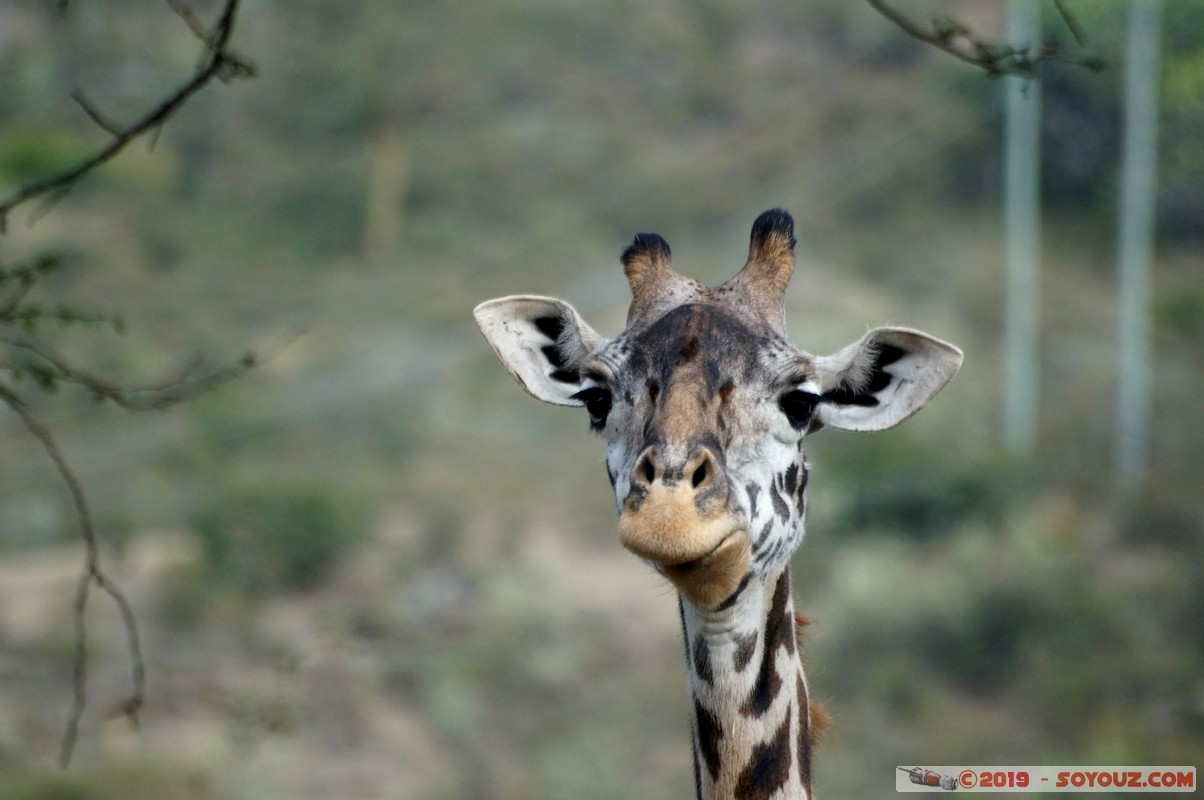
(704, 405)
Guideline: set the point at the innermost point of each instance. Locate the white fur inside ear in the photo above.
(540, 341)
(862, 394)
(573, 347)
(852, 367)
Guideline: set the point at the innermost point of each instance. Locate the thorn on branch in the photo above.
(94, 113)
(1072, 24)
(231, 66)
(184, 12)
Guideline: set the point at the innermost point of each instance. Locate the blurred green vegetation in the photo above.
(272, 538)
(430, 601)
(163, 782)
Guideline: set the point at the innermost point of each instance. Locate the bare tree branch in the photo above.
(169, 392)
(92, 573)
(962, 43)
(28, 356)
(50, 366)
(217, 62)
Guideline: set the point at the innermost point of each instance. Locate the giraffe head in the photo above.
(704, 404)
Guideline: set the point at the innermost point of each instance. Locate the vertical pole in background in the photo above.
(1022, 189)
(1139, 172)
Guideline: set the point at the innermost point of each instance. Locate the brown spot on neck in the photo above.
(768, 768)
(709, 734)
(779, 634)
(746, 646)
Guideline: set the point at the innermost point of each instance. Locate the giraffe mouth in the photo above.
(691, 563)
(671, 532)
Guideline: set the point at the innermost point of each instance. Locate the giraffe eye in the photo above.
(597, 403)
(798, 406)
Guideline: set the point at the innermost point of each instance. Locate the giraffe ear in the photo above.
(883, 379)
(541, 341)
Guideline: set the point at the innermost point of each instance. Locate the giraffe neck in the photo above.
(752, 719)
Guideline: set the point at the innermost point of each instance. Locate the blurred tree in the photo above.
(1137, 204)
(1081, 129)
(1022, 235)
(417, 65)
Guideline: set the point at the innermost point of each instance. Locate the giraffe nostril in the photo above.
(702, 470)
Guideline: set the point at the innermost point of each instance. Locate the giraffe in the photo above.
(704, 405)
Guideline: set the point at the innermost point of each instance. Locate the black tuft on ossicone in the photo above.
(774, 221)
(646, 245)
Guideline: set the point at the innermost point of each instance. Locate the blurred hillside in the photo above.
(374, 568)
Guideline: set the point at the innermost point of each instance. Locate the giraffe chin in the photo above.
(705, 559)
(708, 581)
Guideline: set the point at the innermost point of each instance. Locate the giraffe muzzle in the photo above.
(678, 519)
